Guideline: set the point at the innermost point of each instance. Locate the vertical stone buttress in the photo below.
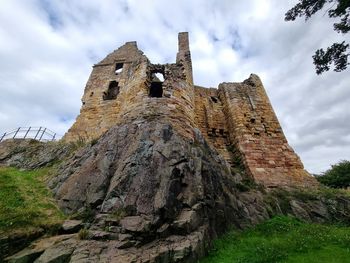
(184, 55)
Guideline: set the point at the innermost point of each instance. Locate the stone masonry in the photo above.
(236, 119)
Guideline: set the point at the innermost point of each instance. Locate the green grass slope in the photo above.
(25, 203)
(283, 239)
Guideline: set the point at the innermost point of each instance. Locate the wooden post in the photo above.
(53, 138)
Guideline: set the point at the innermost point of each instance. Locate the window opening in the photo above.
(159, 76)
(156, 90)
(118, 68)
(112, 92)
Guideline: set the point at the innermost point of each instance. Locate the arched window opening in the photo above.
(118, 68)
(156, 89)
(112, 92)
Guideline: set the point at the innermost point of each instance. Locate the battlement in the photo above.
(236, 119)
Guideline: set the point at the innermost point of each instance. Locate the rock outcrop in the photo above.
(32, 154)
(147, 194)
(153, 189)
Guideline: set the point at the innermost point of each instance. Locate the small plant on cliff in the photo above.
(93, 141)
(118, 214)
(246, 184)
(338, 176)
(80, 142)
(84, 234)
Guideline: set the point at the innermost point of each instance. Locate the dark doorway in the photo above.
(156, 89)
(112, 92)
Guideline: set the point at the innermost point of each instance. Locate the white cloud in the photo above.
(47, 49)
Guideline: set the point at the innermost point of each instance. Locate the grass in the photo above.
(283, 239)
(118, 214)
(25, 202)
(83, 234)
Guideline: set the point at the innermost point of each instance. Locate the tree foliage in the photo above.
(338, 53)
(338, 176)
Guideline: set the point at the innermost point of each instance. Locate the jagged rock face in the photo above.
(148, 170)
(156, 196)
(169, 190)
(31, 154)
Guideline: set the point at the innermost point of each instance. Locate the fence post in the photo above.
(53, 138)
(42, 134)
(14, 136)
(3, 136)
(37, 133)
(26, 133)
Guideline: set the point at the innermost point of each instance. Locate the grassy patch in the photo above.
(283, 239)
(118, 214)
(83, 234)
(25, 202)
(325, 192)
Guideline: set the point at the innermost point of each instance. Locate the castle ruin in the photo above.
(236, 119)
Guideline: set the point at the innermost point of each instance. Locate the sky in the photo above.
(48, 47)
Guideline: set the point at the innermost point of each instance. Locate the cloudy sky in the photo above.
(47, 48)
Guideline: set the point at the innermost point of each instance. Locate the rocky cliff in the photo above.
(144, 193)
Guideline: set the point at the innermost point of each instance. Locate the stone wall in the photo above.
(256, 134)
(211, 121)
(131, 98)
(237, 119)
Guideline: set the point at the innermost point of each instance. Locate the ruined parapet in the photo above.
(105, 91)
(124, 87)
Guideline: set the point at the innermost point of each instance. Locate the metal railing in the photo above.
(37, 133)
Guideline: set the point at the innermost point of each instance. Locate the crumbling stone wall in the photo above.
(258, 137)
(211, 120)
(133, 100)
(237, 119)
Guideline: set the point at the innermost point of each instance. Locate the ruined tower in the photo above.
(236, 119)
